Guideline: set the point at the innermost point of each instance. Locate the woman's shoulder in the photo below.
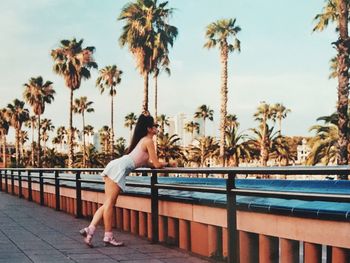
(146, 141)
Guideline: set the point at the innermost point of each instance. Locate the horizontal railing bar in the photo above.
(138, 185)
(192, 188)
(66, 179)
(91, 181)
(310, 170)
(293, 195)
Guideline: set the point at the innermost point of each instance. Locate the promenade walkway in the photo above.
(32, 233)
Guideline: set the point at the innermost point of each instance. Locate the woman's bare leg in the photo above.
(97, 216)
(112, 191)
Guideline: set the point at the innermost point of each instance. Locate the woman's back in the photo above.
(139, 155)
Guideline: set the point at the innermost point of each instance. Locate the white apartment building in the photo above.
(177, 126)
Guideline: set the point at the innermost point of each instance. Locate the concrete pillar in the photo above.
(184, 234)
(212, 240)
(84, 208)
(162, 228)
(126, 220)
(149, 226)
(249, 247)
(224, 242)
(142, 224)
(289, 251)
(173, 231)
(340, 255)
(268, 249)
(199, 239)
(119, 218)
(312, 253)
(114, 217)
(134, 222)
(89, 208)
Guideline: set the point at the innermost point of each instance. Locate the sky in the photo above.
(281, 60)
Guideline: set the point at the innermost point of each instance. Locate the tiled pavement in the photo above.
(32, 233)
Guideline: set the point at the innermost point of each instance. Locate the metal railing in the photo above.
(230, 190)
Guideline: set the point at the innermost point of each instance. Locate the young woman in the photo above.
(141, 152)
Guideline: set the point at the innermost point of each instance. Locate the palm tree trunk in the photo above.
(70, 132)
(202, 152)
(17, 147)
(111, 145)
(84, 149)
(156, 109)
(4, 150)
(264, 152)
(33, 154)
(279, 126)
(145, 92)
(39, 144)
(223, 110)
(155, 97)
(343, 84)
(45, 149)
(203, 127)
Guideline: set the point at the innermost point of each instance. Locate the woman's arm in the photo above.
(153, 158)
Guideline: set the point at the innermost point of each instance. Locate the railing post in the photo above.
(30, 196)
(12, 183)
(154, 207)
(6, 183)
(1, 180)
(41, 186)
(78, 195)
(232, 246)
(19, 184)
(57, 191)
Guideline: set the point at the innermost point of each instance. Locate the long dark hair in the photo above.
(144, 121)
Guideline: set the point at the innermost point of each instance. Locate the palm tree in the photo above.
(46, 126)
(281, 151)
(81, 106)
(16, 115)
(73, 63)
(37, 94)
(217, 34)
(32, 124)
(104, 134)
(89, 131)
(130, 121)
(324, 144)
(4, 129)
(120, 147)
(203, 149)
(231, 121)
(280, 112)
(23, 138)
(109, 79)
(236, 146)
(204, 112)
(60, 138)
(191, 127)
(264, 113)
(338, 11)
(145, 32)
(163, 121)
(161, 61)
(168, 147)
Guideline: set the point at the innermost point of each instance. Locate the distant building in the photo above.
(303, 152)
(177, 126)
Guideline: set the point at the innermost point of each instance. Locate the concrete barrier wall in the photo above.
(202, 229)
